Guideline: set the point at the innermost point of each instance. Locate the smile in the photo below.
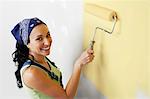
(46, 49)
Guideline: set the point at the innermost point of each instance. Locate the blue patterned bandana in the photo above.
(23, 29)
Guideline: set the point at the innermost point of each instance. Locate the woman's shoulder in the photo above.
(34, 71)
(30, 71)
(29, 67)
(33, 75)
(32, 67)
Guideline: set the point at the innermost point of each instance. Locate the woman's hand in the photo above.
(86, 57)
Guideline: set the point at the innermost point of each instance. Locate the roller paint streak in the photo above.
(104, 13)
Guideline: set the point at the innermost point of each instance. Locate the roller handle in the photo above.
(92, 44)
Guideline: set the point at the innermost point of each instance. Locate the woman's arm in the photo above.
(72, 85)
(35, 78)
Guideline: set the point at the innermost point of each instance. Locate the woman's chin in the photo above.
(46, 53)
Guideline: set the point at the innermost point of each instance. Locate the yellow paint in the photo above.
(122, 60)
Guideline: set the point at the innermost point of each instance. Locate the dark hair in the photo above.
(20, 56)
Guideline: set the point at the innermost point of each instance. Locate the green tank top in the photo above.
(54, 74)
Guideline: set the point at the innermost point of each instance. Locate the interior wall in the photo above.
(121, 66)
(64, 20)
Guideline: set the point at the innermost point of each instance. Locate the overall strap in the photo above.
(51, 62)
(56, 67)
(51, 74)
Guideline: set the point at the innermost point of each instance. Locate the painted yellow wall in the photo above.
(122, 60)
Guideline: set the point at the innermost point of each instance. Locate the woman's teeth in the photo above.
(45, 48)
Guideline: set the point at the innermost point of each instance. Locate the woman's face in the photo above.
(40, 41)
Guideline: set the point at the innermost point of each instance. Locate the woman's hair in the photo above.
(20, 56)
(21, 32)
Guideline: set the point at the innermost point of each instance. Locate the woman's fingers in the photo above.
(86, 57)
(89, 55)
(90, 58)
(90, 51)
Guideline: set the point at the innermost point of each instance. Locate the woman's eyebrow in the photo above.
(39, 35)
(48, 32)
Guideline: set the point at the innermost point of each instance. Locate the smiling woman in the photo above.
(41, 40)
(36, 73)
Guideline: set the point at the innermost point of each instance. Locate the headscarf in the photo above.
(22, 30)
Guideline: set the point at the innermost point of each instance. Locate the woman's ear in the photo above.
(28, 45)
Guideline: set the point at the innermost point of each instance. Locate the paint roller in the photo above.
(104, 13)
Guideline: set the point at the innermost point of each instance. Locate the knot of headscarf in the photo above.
(23, 29)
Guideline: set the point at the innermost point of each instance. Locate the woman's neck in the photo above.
(39, 59)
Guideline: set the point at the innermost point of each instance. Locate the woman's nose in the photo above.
(47, 41)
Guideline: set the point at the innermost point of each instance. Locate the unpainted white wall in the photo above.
(64, 19)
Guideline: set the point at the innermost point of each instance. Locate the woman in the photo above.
(36, 72)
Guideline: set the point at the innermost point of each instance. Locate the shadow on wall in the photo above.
(141, 95)
(87, 90)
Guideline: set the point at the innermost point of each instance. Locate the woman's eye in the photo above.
(40, 39)
(48, 35)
